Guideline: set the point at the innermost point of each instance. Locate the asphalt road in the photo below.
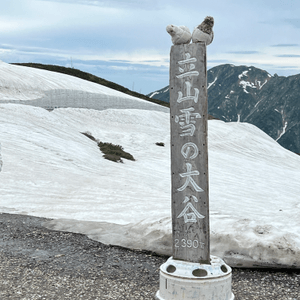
(38, 263)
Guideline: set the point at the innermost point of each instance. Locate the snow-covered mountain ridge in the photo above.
(252, 95)
(37, 87)
(90, 77)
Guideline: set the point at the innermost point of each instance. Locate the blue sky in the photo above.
(125, 41)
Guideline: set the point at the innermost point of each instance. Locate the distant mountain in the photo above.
(162, 94)
(249, 94)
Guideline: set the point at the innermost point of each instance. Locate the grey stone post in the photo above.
(189, 153)
(191, 273)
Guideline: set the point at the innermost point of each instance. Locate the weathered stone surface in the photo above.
(188, 112)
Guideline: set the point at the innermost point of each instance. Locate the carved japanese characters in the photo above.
(202, 33)
(180, 34)
(187, 122)
(188, 115)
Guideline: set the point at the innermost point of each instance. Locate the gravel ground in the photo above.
(38, 263)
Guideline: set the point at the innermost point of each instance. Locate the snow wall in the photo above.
(81, 99)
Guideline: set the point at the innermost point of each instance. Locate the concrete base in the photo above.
(185, 280)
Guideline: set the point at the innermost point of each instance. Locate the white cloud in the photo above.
(294, 22)
(123, 4)
(286, 45)
(134, 30)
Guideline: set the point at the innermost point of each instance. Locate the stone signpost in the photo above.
(189, 169)
(191, 273)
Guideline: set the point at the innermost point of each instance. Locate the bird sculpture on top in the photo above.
(202, 33)
(180, 34)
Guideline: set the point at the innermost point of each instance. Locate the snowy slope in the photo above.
(24, 85)
(0, 159)
(50, 169)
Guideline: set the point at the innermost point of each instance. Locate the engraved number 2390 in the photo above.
(188, 243)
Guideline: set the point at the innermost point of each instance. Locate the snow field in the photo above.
(52, 170)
